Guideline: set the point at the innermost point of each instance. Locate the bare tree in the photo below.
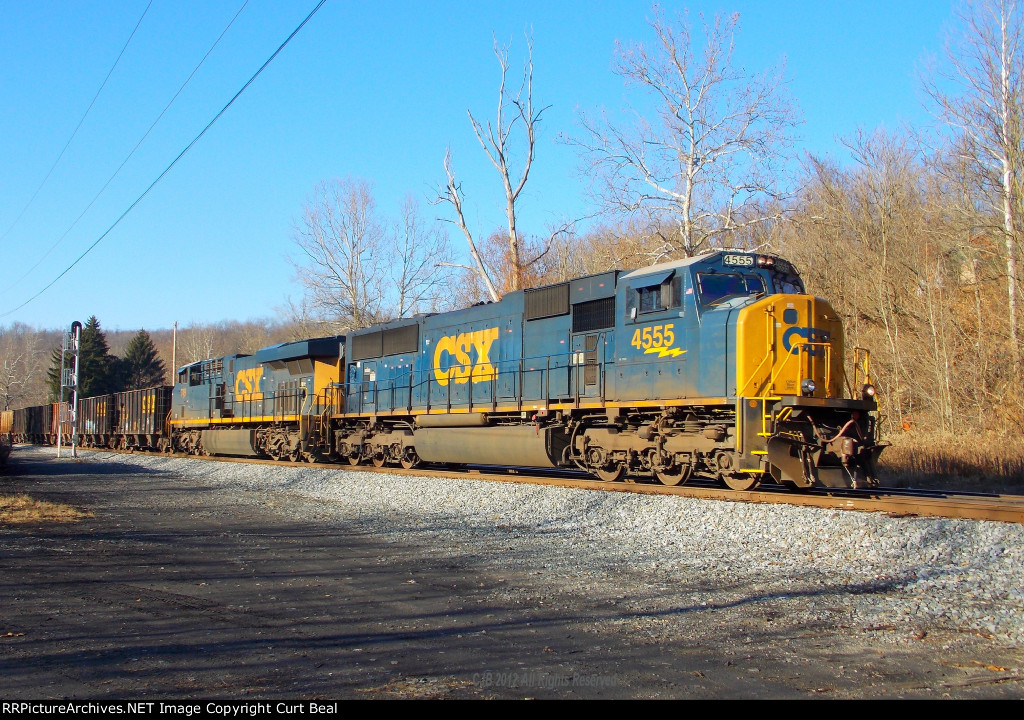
(359, 267)
(986, 61)
(19, 364)
(515, 116)
(696, 173)
(420, 274)
(198, 342)
(342, 240)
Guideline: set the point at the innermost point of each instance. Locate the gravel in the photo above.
(658, 555)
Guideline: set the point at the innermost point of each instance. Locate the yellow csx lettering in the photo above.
(247, 384)
(460, 366)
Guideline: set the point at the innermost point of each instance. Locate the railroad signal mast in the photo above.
(69, 381)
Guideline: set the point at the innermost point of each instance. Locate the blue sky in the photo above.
(377, 91)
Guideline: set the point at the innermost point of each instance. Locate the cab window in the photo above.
(716, 288)
(650, 299)
(663, 295)
(788, 284)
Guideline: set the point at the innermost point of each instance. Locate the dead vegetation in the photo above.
(22, 509)
(940, 461)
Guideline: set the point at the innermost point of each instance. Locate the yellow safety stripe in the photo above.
(230, 421)
(541, 406)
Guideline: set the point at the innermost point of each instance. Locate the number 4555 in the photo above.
(655, 336)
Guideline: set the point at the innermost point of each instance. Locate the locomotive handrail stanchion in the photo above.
(547, 381)
(412, 380)
(600, 371)
(519, 388)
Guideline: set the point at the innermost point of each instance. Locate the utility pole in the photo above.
(69, 381)
(174, 353)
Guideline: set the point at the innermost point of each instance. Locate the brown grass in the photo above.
(977, 463)
(21, 509)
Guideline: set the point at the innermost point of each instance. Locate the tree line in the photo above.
(99, 371)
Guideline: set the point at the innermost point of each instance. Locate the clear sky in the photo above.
(372, 90)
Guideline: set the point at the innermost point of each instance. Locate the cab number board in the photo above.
(658, 336)
(738, 260)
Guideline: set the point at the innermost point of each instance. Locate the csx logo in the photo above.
(453, 360)
(809, 335)
(247, 384)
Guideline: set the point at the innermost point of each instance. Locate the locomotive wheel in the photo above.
(611, 473)
(379, 461)
(410, 460)
(741, 481)
(353, 460)
(675, 475)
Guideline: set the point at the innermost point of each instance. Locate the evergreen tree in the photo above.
(97, 368)
(141, 366)
(53, 376)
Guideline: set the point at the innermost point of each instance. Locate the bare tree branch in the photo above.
(713, 153)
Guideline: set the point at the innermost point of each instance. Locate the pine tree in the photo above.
(141, 366)
(53, 376)
(97, 368)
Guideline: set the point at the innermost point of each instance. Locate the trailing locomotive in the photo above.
(720, 365)
(261, 404)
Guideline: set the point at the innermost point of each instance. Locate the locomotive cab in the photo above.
(747, 370)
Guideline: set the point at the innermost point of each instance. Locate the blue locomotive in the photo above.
(719, 364)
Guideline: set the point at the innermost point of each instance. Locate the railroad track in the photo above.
(892, 501)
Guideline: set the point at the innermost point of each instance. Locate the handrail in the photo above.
(382, 396)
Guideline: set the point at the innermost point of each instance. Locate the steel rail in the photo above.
(895, 502)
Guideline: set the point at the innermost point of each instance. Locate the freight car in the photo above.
(6, 423)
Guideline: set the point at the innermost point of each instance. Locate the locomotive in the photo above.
(719, 365)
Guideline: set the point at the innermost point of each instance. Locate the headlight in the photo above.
(867, 392)
(765, 261)
(807, 387)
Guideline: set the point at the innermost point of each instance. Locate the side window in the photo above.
(649, 299)
(664, 295)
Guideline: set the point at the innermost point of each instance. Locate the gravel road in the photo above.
(768, 583)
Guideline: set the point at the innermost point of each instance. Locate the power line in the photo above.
(77, 127)
(130, 155)
(175, 161)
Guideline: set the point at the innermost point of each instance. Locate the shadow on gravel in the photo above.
(273, 609)
(40, 462)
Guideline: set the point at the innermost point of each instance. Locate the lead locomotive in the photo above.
(719, 364)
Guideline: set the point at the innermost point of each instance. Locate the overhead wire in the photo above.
(77, 127)
(130, 154)
(175, 161)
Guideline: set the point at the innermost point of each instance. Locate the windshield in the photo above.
(716, 288)
(788, 284)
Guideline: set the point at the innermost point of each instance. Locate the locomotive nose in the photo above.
(789, 345)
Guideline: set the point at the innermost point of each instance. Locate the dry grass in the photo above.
(21, 509)
(979, 463)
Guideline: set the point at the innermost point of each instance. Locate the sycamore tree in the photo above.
(980, 95)
(704, 163)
